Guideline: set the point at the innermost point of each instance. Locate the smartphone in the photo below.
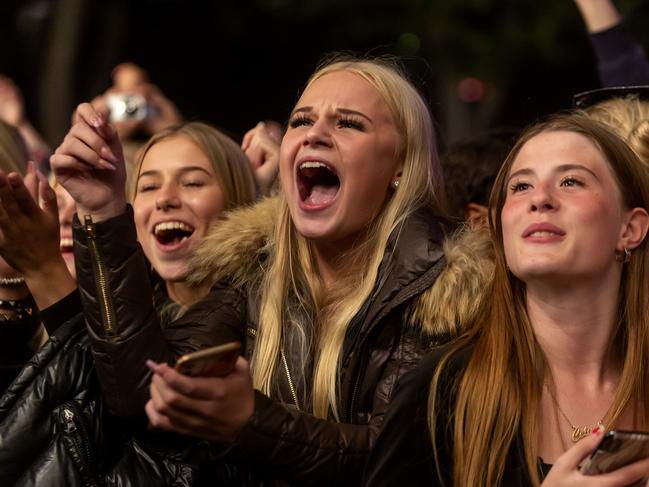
(211, 362)
(617, 449)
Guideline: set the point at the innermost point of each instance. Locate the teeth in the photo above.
(66, 242)
(542, 234)
(161, 227)
(310, 164)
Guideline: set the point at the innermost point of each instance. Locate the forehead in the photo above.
(549, 149)
(173, 154)
(344, 89)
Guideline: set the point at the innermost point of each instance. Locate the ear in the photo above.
(396, 175)
(476, 215)
(634, 230)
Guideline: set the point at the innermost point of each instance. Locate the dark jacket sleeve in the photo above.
(301, 449)
(621, 61)
(123, 325)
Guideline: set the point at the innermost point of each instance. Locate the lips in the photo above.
(543, 231)
(172, 233)
(66, 245)
(318, 183)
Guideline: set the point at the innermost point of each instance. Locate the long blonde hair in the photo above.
(499, 393)
(291, 288)
(629, 118)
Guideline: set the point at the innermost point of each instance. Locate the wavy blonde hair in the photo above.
(629, 118)
(292, 289)
(499, 392)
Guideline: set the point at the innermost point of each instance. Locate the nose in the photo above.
(167, 198)
(318, 135)
(542, 199)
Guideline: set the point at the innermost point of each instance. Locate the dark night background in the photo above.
(234, 63)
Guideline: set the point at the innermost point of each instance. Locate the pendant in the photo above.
(580, 432)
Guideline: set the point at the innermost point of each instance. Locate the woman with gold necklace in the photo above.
(561, 352)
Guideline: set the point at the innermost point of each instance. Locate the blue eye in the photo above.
(571, 181)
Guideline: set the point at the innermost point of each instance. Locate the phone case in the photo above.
(617, 449)
(212, 362)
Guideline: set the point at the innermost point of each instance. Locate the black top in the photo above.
(403, 453)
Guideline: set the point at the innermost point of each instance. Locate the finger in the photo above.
(178, 407)
(194, 387)
(247, 138)
(576, 454)
(10, 208)
(48, 199)
(75, 149)
(89, 115)
(31, 180)
(94, 139)
(24, 200)
(65, 164)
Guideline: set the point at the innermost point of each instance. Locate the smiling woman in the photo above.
(558, 356)
(186, 176)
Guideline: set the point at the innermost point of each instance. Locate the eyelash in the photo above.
(522, 186)
(350, 122)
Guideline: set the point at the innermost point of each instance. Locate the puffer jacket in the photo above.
(56, 431)
(281, 442)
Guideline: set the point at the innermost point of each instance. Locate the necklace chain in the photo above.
(578, 432)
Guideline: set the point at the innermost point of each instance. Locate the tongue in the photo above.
(321, 195)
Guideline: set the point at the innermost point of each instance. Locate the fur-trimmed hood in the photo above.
(235, 249)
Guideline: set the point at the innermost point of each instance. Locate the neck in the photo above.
(334, 259)
(182, 293)
(574, 324)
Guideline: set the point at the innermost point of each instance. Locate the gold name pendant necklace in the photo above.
(578, 432)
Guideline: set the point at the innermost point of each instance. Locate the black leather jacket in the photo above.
(279, 442)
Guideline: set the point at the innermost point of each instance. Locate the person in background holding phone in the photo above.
(331, 285)
(560, 352)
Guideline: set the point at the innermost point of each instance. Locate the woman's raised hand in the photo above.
(89, 164)
(210, 408)
(565, 471)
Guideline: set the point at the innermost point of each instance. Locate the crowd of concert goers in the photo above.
(397, 316)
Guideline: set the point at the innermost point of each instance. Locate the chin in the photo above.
(173, 273)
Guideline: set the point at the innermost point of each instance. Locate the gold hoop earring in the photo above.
(624, 257)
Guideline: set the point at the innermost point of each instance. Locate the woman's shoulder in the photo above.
(461, 289)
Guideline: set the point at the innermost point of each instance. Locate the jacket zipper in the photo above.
(99, 270)
(252, 332)
(290, 380)
(79, 437)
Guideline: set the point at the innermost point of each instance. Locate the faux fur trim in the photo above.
(235, 249)
(454, 300)
(235, 246)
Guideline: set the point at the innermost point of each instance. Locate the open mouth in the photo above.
(317, 183)
(170, 233)
(66, 245)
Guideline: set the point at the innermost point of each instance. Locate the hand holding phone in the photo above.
(617, 449)
(215, 361)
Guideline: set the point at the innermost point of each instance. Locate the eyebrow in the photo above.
(558, 169)
(344, 111)
(182, 170)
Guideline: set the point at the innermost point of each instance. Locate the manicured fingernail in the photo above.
(107, 165)
(152, 365)
(108, 154)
